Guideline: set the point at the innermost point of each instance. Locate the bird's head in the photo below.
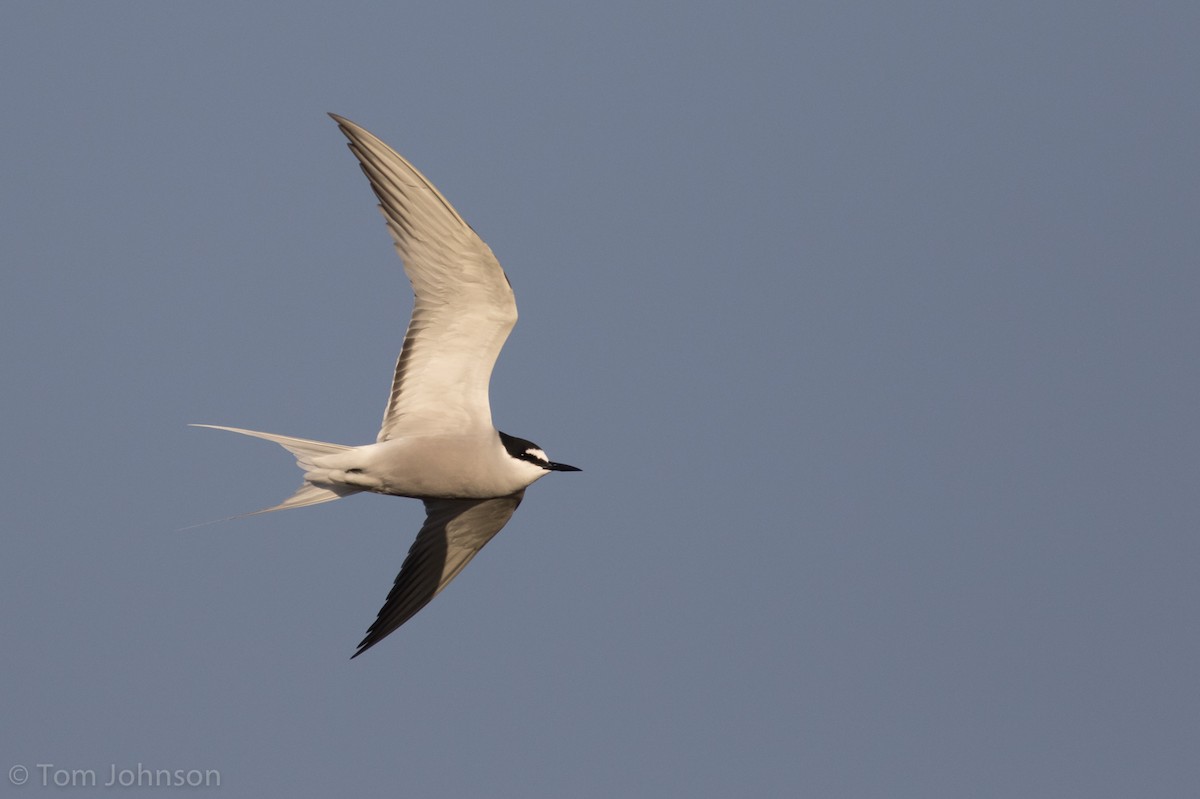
(524, 450)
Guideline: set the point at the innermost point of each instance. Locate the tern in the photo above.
(437, 442)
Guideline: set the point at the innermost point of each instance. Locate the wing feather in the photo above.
(454, 531)
(463, 307)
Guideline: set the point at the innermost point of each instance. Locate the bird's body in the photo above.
(468, 465)
(437, 442)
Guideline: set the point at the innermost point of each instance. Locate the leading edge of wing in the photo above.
(454, 531)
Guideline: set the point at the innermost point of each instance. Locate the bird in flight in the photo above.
(437, 442)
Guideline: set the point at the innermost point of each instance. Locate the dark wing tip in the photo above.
(363, 646)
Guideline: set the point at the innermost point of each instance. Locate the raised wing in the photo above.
(463, 308)
(454, 530)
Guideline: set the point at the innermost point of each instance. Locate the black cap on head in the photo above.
(525, 450)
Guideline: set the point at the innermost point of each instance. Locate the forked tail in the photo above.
(304, 450)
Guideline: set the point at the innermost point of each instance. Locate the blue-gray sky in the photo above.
(873, 326)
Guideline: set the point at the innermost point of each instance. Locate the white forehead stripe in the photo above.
(537, 453)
